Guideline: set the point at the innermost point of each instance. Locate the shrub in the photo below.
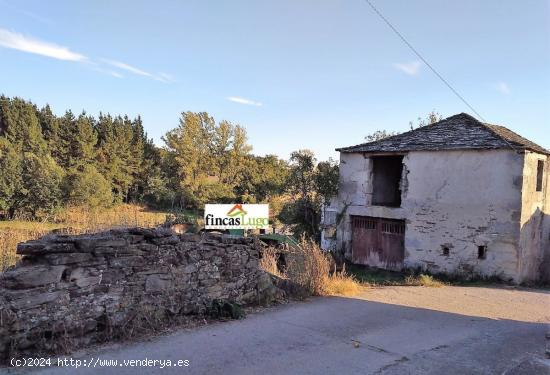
(89, 188)
(41, 194)
(309, 267)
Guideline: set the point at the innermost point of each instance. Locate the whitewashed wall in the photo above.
(534, 239)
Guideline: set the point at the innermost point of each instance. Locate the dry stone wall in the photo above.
(73, 290)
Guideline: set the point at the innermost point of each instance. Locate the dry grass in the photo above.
(343, 284)
(74, 220)
(124, 215)
(309, 267)
(9, 239)
(423, 280)
(268, 262)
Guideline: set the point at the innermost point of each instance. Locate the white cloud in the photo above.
(115, 74)
(129, 68)
(236, 99)
(9, 39)
(162, 77)
(165, 77)
(412, 68)
(13, 40)
(503, 88)
(111, 73)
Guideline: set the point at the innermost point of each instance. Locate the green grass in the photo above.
(279, 238)
(380, 277)
(375, 276)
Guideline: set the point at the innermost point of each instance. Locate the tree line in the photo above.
(48, 162)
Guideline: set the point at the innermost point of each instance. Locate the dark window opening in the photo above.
(65, 275)
(540, 172)
(481, 252)
(387, 172)
(445, 250)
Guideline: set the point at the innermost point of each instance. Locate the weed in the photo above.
(309, 267)
(341, 283)
(376, 276)
(269, 262)
(423, 280)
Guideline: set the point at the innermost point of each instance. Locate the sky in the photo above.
(315, 74)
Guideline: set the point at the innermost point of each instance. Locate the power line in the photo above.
(423, 59)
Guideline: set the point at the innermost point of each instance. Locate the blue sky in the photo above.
(314, 74)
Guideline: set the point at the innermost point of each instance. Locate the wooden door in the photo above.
(378, 242)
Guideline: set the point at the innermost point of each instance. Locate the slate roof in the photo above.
(458, 132)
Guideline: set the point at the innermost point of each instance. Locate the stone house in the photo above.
(458, 197)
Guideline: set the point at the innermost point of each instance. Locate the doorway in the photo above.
(378, 242)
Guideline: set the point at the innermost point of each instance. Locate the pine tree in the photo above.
(83, 142)
(49, 124)
(66, 131)
(19, 124)
(115, 155)
(139, 165)
(10, 176)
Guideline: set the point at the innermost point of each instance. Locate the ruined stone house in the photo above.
(458, 197)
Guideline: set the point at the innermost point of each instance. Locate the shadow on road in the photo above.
(345, 335)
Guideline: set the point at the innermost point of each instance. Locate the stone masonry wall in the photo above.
(77, 288)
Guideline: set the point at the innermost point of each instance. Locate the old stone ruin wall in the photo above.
(75, 290)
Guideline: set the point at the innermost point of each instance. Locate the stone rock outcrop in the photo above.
(75, 290)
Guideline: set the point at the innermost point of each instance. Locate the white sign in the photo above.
(236, 216)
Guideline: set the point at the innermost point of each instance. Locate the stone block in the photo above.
(30, 300)
(171, 240)
(150, 233)
(32, 276)
(111, 276)
(123, 262)
(35, 248)
(147, 247)
(191, 268)
(84, 277)
(90, 242)
(134, 238)
(70, 258)
(157, 283)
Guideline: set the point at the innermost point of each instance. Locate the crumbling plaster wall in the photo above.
(535, 221)
(355, 197)
(458, 199)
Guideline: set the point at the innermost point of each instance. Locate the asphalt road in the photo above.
(336, 335)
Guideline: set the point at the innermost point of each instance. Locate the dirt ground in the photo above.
(386, 330)
(495, 302)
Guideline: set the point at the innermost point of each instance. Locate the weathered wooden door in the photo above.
(378, 242)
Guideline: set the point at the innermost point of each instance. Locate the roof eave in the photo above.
(515, 148)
